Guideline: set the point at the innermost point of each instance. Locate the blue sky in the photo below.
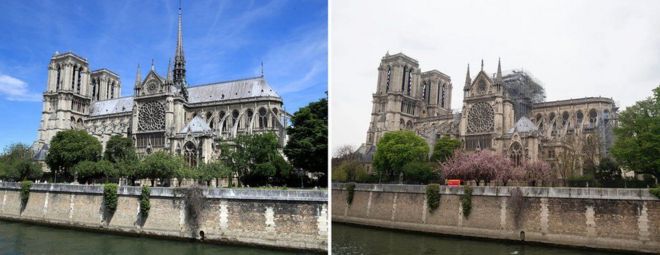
(223, 40)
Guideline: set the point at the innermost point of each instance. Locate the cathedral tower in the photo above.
(67, 97)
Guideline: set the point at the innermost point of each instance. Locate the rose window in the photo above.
(152, 116)
(480, 118)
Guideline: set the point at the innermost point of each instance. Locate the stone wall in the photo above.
(616, 219)
(293, 219)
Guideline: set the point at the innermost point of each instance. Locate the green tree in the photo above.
(395, 150)
(68, 148)
(637, 144)
(350, 171)
(255, 159)
(86, 171)
(129, 169)
(608, 173)
(307, 147)
(418, 172)
(16, 163)
(160, 165)
(119, 148)
(444, 148)
(213, 170)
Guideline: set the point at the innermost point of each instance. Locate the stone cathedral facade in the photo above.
(498, 113)
(165, 113)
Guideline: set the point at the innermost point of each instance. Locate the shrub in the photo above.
(418, 172)
(110, 197)
(350, 189)
(582, 181)
(655, 191)
(144, 201)
(433, 196)
(25, 191)
(194, 200)
(466, 201)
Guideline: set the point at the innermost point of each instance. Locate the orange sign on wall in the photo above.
(454, 182)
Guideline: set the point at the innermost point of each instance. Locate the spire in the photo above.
(138, 76)
(468, 80)
(169, 69)
(179, 75)
(262, 69)
(152, 65)
(482, 64)
(498, 78)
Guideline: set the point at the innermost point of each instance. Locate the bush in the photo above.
(350, 189)
(433, 196)
(144, 201)
(418, 172)
(110, 197)
(25, 191)
(655, 191)
(582, 181)
(466, 201)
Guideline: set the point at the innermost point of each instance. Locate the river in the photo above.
(350, 239)
(21, 238)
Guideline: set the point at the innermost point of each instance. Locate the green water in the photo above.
(349, 239)
(20, 238)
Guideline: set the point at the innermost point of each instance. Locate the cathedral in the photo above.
(507, 114)
(165, 113)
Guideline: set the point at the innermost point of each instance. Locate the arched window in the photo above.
(211, 123)
(73, 123)
(250, 114)
(59, 81)
(190, 154)
(424, 90)
(221, 116)
(208, 116)
(389, 75)
(112, 90)
(263, 118)
(443, 93)
(564, 119)
(78, 83)
(403, 79)
(94, 89)
(606, 115)
(402, 124)
(73, 77)
(275, 111)
(234, 118)
(409, 81)
(593, 117)
(409, 125)
(579, 117)
(515, 153)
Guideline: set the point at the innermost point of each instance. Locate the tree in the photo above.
(395, 150)
(637, 144)
(307, 147)
(119, 148)
(418, 172)
(68, 148)
(536, 172)
(16, 163)
(160, 165)
(483, 165)
(349, 171)
(608, 173)
(255, 159)
(444, 148)
(86, 171)
(213, 170)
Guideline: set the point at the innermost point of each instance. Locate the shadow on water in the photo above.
(351, 239)
(21, 238)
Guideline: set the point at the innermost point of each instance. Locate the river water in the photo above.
(21, 238)
(350, 239)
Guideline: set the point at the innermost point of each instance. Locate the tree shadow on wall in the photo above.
(106, 214)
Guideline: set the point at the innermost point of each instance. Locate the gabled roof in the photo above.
(111, 106)
(41, 153)
(237, 89)
(197, 124)
(523, 125)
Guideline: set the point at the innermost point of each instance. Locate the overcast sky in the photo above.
(574, 48)
(223, 40)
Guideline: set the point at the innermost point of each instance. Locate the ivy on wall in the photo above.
(432, 196)
(145, 205)
(110, 197)
(25, 191)
(466, 201)
(350, 191)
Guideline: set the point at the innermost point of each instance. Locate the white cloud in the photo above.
(14, 89)
(575, 48)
